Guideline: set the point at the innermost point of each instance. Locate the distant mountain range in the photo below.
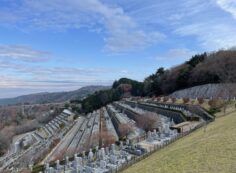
(57, 97)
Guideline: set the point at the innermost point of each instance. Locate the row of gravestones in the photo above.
(106, 159)
(162, 137)
(102, 160)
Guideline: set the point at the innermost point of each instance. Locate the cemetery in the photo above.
(84, 150)
(106, 140)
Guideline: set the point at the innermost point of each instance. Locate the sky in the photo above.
(62, 45)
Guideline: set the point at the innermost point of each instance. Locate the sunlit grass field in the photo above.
(212, 150)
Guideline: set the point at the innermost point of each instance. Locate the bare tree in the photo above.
(94, 140)
(107, 138)
(148, 121)
(212, 103)
(173, 99)
(165, 99)
(4, 143)
(186, 100)
(200, 100)
(125, 129)
(27, 127)
(158, 99)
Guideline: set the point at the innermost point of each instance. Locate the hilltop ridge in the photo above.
(54, 97)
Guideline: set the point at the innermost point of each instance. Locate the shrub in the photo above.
(165, 99)
(214, 110)
(186, 100)
(200, 100)
(173, 99)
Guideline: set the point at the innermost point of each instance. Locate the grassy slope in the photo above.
(200, 152)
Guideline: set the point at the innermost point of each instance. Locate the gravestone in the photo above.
(113, 147)
(90, 155)
(99, 154)
(89, 169)
(77, 170)
(80, 161)
(172, 123)
(47, 168)
(83, 154)
(103, 164)
(75, 162)
(166, 129)
(155, 135)
(127, 141)
(67, 161)
(149, 136)
(107, 150)
(58, 165)
(103, 154)
(162, 135)
(113, 159)
(121, 145)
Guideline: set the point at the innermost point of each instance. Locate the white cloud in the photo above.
(126, 41)
(23, 75)
(200, 22)
(211, 35)
(8, 81)
(22, 53)
(12, 86)
(121, 32)
(228, 6)
(181, 54)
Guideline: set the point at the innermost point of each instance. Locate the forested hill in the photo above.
(217, 67)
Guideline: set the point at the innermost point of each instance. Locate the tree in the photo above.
(147, 121)
(186, 100)
(200, 100)
(158, 99)
(4, 143)
(94, 140)
(213, 103)
(152, 84)
(107, 138)
(100, 99)
(196, 59)
(165, 99)
(67, 105)
(173, 99)
(124, 129)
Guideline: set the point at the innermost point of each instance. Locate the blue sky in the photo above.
(61, 45)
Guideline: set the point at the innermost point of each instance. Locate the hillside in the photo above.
(209, 151)
(205, 91)
(216, 67)
(201, 76)
(56, 97)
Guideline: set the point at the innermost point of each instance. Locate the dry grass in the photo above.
(210, 151)
(230, 108)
